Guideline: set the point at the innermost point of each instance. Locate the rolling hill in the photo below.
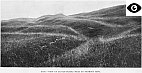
(102, 38)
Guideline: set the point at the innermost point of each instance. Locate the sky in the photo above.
(35, 8)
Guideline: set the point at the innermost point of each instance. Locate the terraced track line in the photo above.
(79, 37)
(116, 38)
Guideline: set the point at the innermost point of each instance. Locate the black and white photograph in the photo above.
(69, 34)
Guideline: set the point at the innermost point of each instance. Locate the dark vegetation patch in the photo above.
(136, 31)
(18, 37)
(132, 21)
(12, 29)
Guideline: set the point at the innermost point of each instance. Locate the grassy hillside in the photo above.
(103, 38)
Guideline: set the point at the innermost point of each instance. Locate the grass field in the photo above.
(103, 38)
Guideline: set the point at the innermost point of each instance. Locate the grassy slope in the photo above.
(118, 53)
(35, 51)
(59, 40)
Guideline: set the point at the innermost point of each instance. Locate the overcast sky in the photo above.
(35, 8)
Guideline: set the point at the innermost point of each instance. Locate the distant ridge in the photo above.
(106, 11)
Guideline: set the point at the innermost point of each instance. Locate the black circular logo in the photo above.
(134, 7)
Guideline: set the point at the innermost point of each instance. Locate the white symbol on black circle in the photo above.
(134, 8)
